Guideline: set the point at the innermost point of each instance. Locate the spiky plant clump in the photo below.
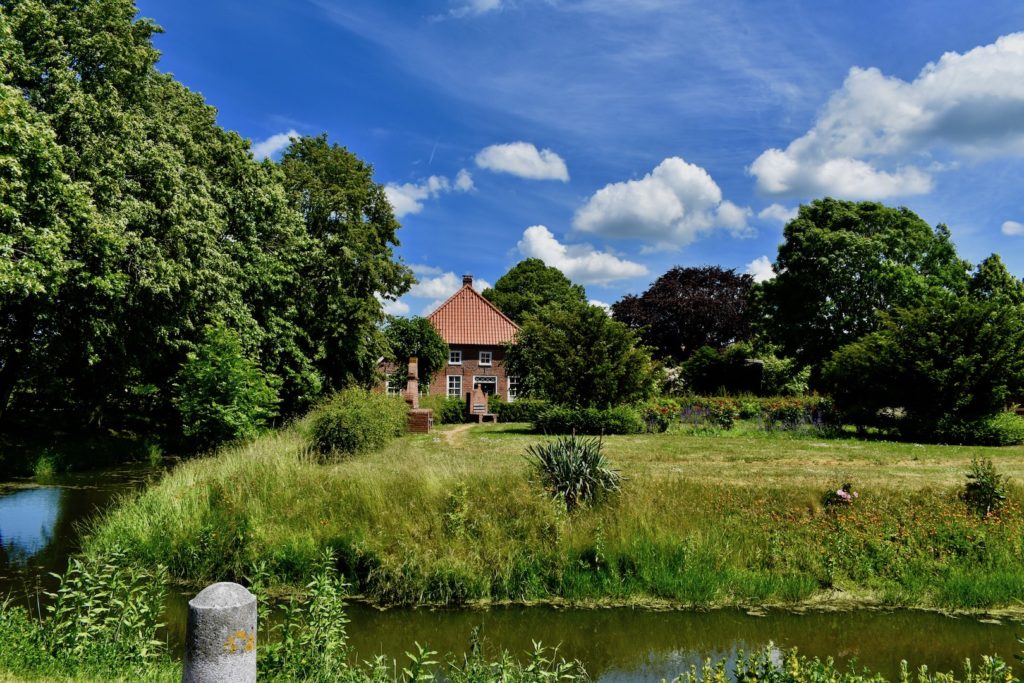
(574, 469)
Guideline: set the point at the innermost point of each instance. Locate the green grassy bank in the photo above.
(453, 518)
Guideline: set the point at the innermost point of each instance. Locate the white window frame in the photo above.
(449, 386)
(477, 378)
(455, 354)
(510, 383)
(490, 358)
(392, 388)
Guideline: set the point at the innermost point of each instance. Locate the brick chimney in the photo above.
(467, 280)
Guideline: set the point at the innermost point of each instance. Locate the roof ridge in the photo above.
(446, 302)
(479, 296)
(493, 307)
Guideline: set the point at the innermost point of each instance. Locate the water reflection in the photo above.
(641, 646)
(27, 522)
(40, 526)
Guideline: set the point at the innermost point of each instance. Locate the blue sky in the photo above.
(618, 138)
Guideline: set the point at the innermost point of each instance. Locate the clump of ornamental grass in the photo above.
(574, 470)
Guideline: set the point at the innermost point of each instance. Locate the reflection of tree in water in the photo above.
(41, 527)
(643, 645)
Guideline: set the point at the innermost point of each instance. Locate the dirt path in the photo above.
(456, 435)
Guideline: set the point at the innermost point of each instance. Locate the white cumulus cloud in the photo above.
(439, 287)
(523, 159)
(1013, 228)
(777, 213)
(877, 134)
(408, 198)
(673, 205)
(265, 149)
(601, 304)
(761, 269)
(580, 262)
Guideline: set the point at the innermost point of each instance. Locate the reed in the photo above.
(453, 518)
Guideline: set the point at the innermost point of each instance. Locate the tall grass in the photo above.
(453, 518)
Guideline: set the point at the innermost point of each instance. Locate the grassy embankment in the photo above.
(725, 519)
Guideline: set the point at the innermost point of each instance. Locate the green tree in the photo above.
(948, 363)
(221, 394)
(415, 337)
(993, 281)
(578, 355)
(529, 286)
(350, 262)
(131, 222)
(843, 262)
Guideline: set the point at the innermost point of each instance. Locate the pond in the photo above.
(39, 529)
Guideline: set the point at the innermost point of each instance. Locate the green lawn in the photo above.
(453, 517)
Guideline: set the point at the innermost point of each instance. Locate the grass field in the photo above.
(453, 517)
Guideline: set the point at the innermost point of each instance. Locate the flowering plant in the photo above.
(844, 495)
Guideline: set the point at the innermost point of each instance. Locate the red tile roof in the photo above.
(468, 318)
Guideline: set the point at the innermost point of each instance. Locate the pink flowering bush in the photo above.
(842, 496)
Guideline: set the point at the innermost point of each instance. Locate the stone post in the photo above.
(220, 644)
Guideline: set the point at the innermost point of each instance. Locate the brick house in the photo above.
(476, 333)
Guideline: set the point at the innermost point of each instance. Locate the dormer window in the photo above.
(485, 357)
(455, 357)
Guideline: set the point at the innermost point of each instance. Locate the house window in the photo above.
(485, 357)
(455, 386)
(488, 384)
(513, 388)
(393, 388)
(455, 358)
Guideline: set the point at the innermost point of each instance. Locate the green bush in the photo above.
(1001, 429)
(719, 413)
(356, 420)
(659, 414)
(222, 394)
(520, 410)
(574, 470)
(793, 413)
(575, 420)
(985, 491)
(447, 410)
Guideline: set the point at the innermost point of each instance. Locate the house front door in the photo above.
(487, 383)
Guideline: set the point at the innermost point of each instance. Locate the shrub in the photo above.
(222, 395)
(575, 420)
(574, 470)
(520, 410)
(709, 412)
(985, 491)
(842, 496)
(790, 414)
(1002, 429)
(448, 410)
(659, 415)
(356, 420)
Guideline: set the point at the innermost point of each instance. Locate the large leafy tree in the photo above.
(689, 308)
(350, 263)
(130, 222)
(577, 355)
(529, 286)
(408, 337)
(844, 262)
(950, 361)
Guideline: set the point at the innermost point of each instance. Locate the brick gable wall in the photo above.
(471, 367)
